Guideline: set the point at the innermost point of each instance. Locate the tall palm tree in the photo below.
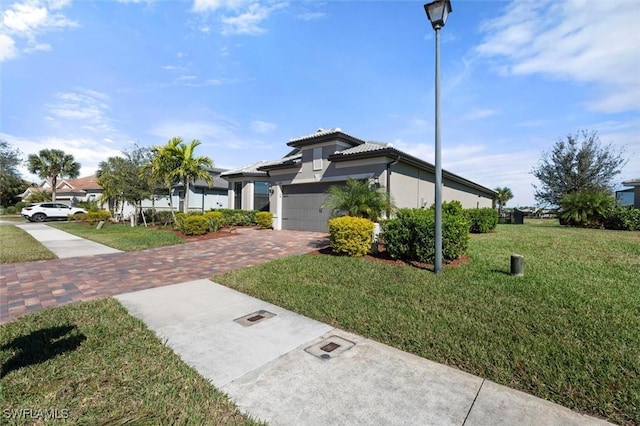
(504, 195)
(52, 164)
(358, 198)
(161, 167)
(189, 167)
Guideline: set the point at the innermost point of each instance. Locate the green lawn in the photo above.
(568, 331)
(26, 250)
(92, 363)
(121, 236)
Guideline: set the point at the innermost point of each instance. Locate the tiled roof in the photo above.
(83, 183)
(319, 132)
(632, 182)
(255, 168)
(365, 147)
(249, 168)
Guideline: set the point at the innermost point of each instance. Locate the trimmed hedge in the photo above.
(350, 235)
(411, 234)
(96, 216)
(195, 224)
(264, 220)
(231, 217)
(623, 218)
(214, 219)
(482, 220)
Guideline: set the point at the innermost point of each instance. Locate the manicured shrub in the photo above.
(350, 235)
(194, 224)
(11, 210)
(20, 205)
(163, 216)
(96, 216)
(585, 209)
(264, 220)
(411, 234)
(214, 220)
(482, 220)
(231, 217)
(623, 218)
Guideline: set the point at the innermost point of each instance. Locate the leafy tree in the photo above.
(504, 195)
(579, 163)
(586, 208)
(121, 178)
(188, 166)
(39, 197)
(52, 164)
(358, 198)
(11, 183)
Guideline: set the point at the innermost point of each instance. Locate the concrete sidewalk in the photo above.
(287, 369)
(63, 244)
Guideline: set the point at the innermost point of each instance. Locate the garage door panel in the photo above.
(302, 207)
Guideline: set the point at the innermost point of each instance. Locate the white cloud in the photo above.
(86, 105)
(237, 16)
(218, 132)
(22, 23)
(574, 40)
(89, 152)
(7, 48)
(263, 127)
(213, 5)
(311, 16)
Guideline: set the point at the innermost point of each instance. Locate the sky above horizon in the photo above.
(244, 77)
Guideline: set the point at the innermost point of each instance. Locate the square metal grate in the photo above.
(254, 318)
(330, 347)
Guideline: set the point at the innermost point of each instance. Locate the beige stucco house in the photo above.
(294, 187)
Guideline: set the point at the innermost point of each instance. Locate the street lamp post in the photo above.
(437, 12)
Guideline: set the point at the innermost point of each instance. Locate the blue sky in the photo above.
(244, 76)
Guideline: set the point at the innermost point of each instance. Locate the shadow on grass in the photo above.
(40, 346)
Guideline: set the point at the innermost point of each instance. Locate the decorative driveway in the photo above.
(32, 286)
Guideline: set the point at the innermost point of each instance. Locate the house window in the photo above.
(261, 196)
(317, 158)
(237, 195)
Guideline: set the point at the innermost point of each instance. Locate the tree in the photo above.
(160, 168)
(504, 195)
(11, 183)
(188, 166)
(122, 179)
(52, 164)
(358, 198)
(579, 163)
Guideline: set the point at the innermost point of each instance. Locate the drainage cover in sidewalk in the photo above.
(254, 318)
(330, 347)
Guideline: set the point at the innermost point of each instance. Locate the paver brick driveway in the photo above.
(32, 286)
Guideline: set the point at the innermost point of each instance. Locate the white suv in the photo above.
(40, 212)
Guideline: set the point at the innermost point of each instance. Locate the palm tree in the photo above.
(504, 195)
(188, 167)
(160, 169)
(51, 164)
(358, 198)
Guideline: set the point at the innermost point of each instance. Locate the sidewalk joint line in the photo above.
(473, 403)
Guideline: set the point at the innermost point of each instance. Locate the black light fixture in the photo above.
(437, 12)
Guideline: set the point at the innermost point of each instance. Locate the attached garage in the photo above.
(302, 207)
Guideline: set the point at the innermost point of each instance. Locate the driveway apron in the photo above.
(32, 286)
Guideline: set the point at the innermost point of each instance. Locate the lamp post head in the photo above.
(437, 12)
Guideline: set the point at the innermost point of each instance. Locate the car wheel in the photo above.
(39, 217)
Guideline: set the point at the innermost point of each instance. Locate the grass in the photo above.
(121, 237)
(13, 218)
(27, 250)
(568, 331)
(92, 363)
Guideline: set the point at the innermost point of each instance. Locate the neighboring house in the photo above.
(635, 187)
(625, 197)
(70, 191)
(294, 187)
(201, 196)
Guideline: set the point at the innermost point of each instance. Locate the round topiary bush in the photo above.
(351, 235)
